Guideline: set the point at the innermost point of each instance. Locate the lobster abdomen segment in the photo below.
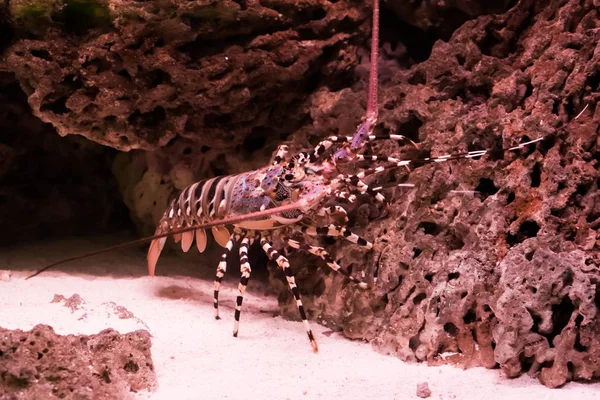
(214, 199)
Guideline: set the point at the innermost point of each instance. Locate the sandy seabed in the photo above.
(196, 356)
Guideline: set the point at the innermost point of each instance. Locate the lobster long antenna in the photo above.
(300, 204)
(361, 136)
(372, 105)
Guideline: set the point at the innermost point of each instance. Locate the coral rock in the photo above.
(41, 364)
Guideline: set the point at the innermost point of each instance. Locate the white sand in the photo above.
(196, 356)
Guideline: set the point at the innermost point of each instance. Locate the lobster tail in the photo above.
(153, 253)
(156, 246)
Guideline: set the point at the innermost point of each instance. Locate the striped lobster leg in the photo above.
(284, 264)
(334, 210)
(439, 159)
(245, 269)
(344, 196)
(280, 154)
(325, 256)
(335, 231)
(326, 143)
(222, 268)
(362, 187)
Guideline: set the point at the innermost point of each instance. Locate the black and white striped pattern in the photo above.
(245, 269)
(335, 231)
(363, 188)
(280, 153)
(284, 264)
(327, 143)
(332, 210)
(438, 159)
(201, 202)
(325, 256)
(345, 196)
(221, 269)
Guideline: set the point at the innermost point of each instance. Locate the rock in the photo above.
(41, 364)
(547, 312)
(444, 16)
(423, 390)
(450, 265)
(136, 75)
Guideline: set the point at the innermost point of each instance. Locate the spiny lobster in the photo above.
(283, 198)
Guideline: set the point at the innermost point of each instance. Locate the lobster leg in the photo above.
(325, 256)
(334, 210)
(345, 196)
(245, 269)
(333, 230)
(363, 188)
(284, 264)
(326, 143)
(389, 136)
(280, 154)
(221, 269)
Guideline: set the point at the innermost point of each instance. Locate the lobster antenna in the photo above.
(372, 106)
(457, 156)
(300, 204)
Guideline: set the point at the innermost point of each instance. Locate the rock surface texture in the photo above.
(508, 277)
(39, 364)
(196, 81)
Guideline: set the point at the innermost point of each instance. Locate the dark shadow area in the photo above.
(52, 187)
(400, 23)
(6, 30)
(418, 42)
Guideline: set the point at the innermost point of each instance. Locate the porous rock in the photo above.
(490, 262)
(136, 75)
(423, 390)
(444, 16)
(546, 305)
(41, 364)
